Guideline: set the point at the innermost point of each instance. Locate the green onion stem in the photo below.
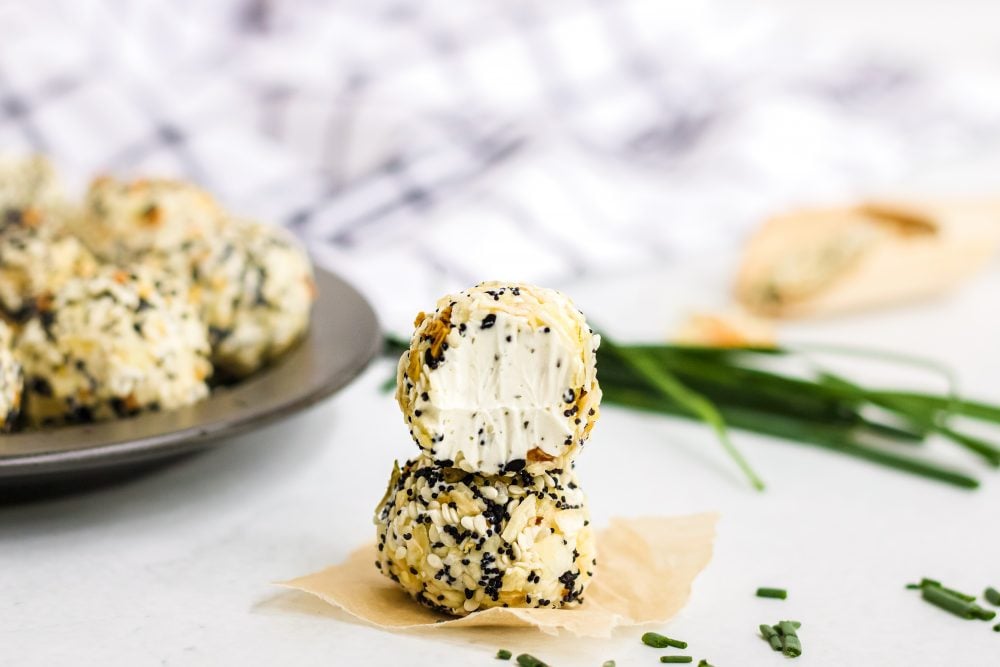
(992, 596)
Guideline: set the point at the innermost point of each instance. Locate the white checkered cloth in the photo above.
(421, 147)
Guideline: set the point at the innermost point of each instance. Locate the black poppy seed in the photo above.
(488, 321)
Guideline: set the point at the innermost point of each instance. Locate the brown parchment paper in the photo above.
(645, 570)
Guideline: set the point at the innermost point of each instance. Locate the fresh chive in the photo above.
(790, 644)
(676, 658)
(669, 387)
(996, 628)
(984, 614)
(992, 596)
(989, 452)
(608, 663)
(771, 635)
(656, 640)
(945, 404)
(705, 663)
(778, 593)
(527, 660)
(504, 654)
(950, 591)
(791, 428)
(941, 598)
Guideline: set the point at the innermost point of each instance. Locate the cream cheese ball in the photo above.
(255, 288)
(110, 346)
(121, 221)
(459, 542)
(11, 381)
(500, 378)
(36, 257)
(30, 182)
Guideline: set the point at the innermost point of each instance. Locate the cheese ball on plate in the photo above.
(110, 346)
(122, 221)
(36, 257)
(500, 378)
(30, 183)
(458, 542)
(255, 289)
(11, 381)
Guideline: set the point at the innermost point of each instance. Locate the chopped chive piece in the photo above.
(705, 663)
(676, 658)
(504, 654)
(608, 663)
(782, 637)
(771, 635)
(950, 591)
(996, 628)
(526, 660)
(940, 597)
(992, 596)
(657, 640)
(790, 644)
(983, 614)
(777, 593)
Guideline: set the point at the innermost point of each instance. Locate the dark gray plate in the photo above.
(343, 338)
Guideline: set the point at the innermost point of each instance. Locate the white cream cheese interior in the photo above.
(505, 390)
(498, 383)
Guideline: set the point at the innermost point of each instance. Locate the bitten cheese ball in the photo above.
(501, 377)
(122, 221)
(459, 542)
(255, 289)
(11, 381)
(110, 346)
(36, 257)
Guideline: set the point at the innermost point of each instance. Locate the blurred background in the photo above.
(420, 147)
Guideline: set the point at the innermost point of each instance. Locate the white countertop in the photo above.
(174, 568)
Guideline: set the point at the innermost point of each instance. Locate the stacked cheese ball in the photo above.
(499, 390)
(136, 298)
